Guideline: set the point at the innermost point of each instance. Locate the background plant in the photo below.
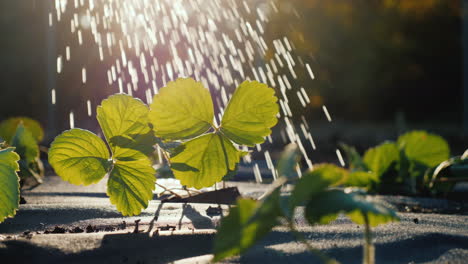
(25, 134)
(397, 167)
(251, 220)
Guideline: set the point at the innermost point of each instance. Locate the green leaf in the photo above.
(203, 161)
(250, 114)
(183, 109)
(364, 179)
(131, 185)
(9, 126)
(424, 148)
(380, 158)
(354, 159)
(316, 181)
(245, 225)
(9, 187)
(124, 121)
(325, 207)
(25, 144)
(79, 157)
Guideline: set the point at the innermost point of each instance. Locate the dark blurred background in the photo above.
(381, 67)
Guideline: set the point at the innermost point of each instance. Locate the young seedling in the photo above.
(81, 157)
(183, 111)
(397, 166)
(251, 220)
(10, 186)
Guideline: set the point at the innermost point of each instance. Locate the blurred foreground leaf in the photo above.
(246, 224)
(324, 208)
(315, 182)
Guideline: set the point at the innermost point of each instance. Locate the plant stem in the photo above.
(166, 156)
(43, 149)
(188, 191)
(168, 190)
(369, 250)
(299, 236)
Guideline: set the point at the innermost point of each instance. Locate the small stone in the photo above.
(58, 230)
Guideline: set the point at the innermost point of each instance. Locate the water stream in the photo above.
(137, 46)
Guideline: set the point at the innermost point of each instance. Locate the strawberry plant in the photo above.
(10, 186)
(251, 220)
(183, 111)
(25, 134)
(399, 166)
(82, 158)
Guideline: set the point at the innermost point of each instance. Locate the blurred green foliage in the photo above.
(24, 135)
(404, 166)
